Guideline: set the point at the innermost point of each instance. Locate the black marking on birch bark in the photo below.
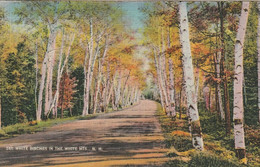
(195, 142)
(238, 121)
(195, 128)
(238, 42)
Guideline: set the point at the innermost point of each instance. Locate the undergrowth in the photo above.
(219, 148)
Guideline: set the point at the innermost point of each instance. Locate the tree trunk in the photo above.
(87, 74)
(162, 65)
(55, 101)
(36, 76)
(51, 39)
(220, 104)
(197, 140)
(91, 64)
(56, 97)
(118, 91)
(0, 112)
(172, 92)
(100, 74)
(206, 92)
(258, 61)
(158, 79)
(123, 96)
(225, 81)
(62, 95)
(48, 89)
(105, 91)
(180, 104)
(238, 85)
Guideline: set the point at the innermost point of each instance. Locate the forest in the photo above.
(199, 60)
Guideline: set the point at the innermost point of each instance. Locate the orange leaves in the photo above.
(173, 49)
(180, 133)
(199, 49)
(67, 89)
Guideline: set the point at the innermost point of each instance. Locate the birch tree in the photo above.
(196, 133)
(238, 111)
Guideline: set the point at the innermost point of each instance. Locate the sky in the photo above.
(131, 10)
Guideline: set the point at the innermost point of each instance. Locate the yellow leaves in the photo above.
(243, 161)
(10, 43)
(16, 73)
(182, 154)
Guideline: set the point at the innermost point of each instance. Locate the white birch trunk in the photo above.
(91, 64)
(110, 92)
(56, 97)
(161, 65)
(123, 95)
(100, 73)
(55, 101)
(51, 39)
(106, 90)
(238, 115)
(36, 75)
(158, 78)
(221, 110)
(87, 75)
(197, 140)
(48, 89)
(118, 90)
(172, 92)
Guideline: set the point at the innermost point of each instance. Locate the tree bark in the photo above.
(48, 88)
(118, 90)
(225, 80)
(51, 39)
(258, 61)
(206, 92)
(158, 77)
(0, 112)
(220, 104)
(87, 75)
(197, 140)
(36, 75)
(101, 62)
(55, 101)
(172, 92)
(163, 76)
(238, 85)
(91, 64)
(123, 95)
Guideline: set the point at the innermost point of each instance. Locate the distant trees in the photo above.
(68, 53)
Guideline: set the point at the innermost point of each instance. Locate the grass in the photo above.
(33, 127)
(219, 148)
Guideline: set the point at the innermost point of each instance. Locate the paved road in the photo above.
(131, 137)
